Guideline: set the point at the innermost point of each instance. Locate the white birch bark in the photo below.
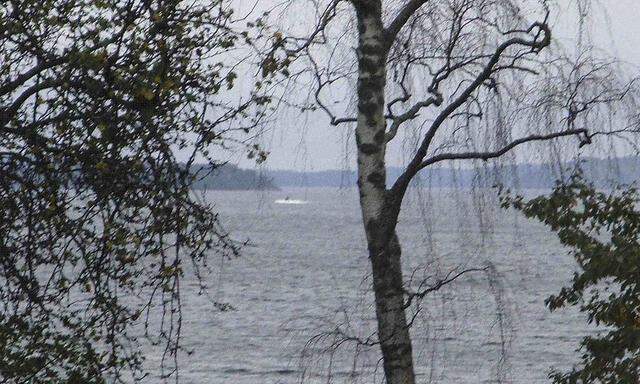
(384, 249)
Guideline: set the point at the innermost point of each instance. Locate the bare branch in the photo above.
(535, 46)
(401, 19)
(327, 15)
(493, 154)
(420, 294)
(317, 95)
(411, 114)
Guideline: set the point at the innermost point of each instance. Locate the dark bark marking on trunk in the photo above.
(368, 65)
(377, 179)
(379, 137)
(369, 149)
(373, 50)
(365, 93)
(371, 226)
(362, 28)
(367, 9)
(396, 350)
(368, 109)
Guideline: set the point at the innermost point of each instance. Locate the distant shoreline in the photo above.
(228, 177)
(604, 173)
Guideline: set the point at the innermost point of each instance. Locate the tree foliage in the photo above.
(602, 231)
(98, 222)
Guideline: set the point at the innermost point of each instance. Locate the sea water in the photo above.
(301, 293)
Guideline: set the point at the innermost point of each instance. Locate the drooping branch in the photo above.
(436, 286)
(321, 84)
(325, 18)
(586, 139)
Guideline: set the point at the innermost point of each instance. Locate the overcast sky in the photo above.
(310, 143)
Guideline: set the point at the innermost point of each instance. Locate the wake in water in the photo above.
(287, 200)
(290, 201)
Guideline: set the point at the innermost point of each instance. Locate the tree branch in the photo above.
(22, 78)
(420, 294)
(493, 154)
(411, 114)
(400, 20)
(327, 15)
(7, 113)
(415, 165)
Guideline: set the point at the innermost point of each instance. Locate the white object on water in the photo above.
(290, 201)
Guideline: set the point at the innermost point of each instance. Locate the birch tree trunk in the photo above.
(393, 330)
(383, 245)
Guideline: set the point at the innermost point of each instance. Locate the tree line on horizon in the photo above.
(604, 173)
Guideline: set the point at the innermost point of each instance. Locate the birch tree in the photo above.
(478, 78)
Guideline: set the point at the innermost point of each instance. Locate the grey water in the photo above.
(301, 285)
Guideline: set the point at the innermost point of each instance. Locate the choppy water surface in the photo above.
(306, 275)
